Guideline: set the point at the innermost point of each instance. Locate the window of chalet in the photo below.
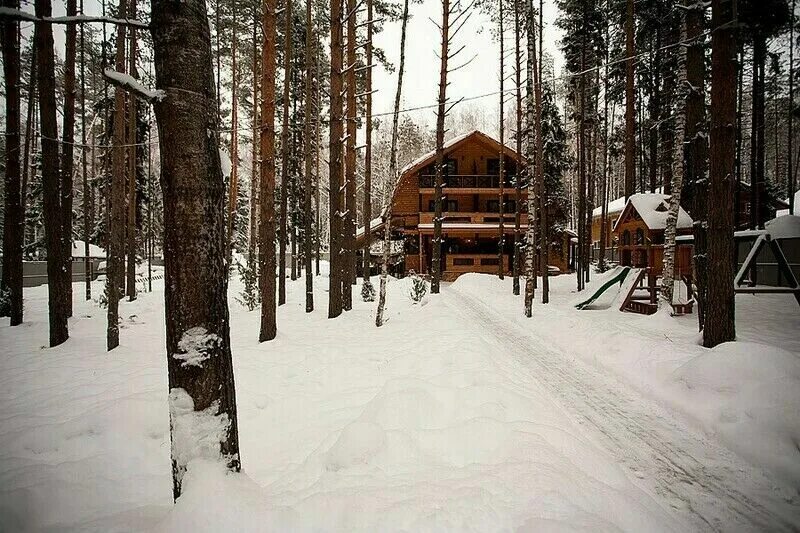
(626, 237)
(639, 236)
(492, 206)
(448, 206)
(493, 166)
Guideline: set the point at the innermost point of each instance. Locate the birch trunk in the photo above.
(530, 237)
(388, 194)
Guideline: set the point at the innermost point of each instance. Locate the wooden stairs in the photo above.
(643, 295)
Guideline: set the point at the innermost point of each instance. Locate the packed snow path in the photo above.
(701, 480)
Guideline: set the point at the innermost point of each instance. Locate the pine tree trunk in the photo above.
(502, 195)
(790, 120)
(350, 162)
(133, 104)
(308, 145)
(253, 223)
(266, 206)
(57, 277)
(630, 120)
(317, 150)
(532, 132)
(196, 281)
(233, 194)
(581, 264)
(287, 73)
(116, 223)
(697, 151)
(720, 300)
(668, 277)
(67, 151)
(601, 253)
(30, 141)
(13, 222)
(88, 218)
(335, 164)
(518, 177)
(387, 229)
(436, 255)
(368, 290)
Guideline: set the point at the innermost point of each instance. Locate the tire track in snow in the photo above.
(707, 483)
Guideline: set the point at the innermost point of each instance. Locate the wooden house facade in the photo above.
(470, 209)
(639, 234)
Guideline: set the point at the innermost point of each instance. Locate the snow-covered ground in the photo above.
(458, 414)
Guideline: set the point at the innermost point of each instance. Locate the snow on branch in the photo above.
(130, 84)
(17, 14)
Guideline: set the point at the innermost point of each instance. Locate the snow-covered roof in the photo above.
(781, 212)
(784, 227)
(374, 224)
(94, 250)
(653, 209)
(614, 206)
(447, 144)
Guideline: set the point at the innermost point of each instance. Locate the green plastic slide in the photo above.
(619, 278)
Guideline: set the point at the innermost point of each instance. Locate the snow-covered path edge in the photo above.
(703, 481)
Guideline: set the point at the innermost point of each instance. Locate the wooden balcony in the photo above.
(485, 263)
(473, 218)
(469, 183)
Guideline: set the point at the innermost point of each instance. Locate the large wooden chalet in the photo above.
(470, 210)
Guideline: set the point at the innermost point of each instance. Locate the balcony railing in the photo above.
(472, 218)
(467, 181)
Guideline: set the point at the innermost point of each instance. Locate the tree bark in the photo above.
(307, 146)
(668, 277)
(436, 255)
(368, 290)
(349, 222)
(199, 360)
(233, 194)
(253, 227)
(696, 156)
(266, 205)
(116, 223)
(601, 253)
(287, 75)
(720, 302)
(518, 177)
(67, 152)
(133, 105)
(501, 200)
(544, 232)
(88, 215)
(14, 222)
(335, 164)
(387, 228)
(532, 132)
(57, 276)
(630, 120)
(790, 120)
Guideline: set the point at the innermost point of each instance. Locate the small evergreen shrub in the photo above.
(367, 291)
(5, 302)
(250, 297)
(418, 289)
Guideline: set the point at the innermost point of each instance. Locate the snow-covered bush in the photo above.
(419, 287)
(5, 302)
(367, 291)
(250, 297)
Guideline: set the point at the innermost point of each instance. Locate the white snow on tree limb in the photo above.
(195, 434)
(18, 14)
(132, 84)
(195, 346)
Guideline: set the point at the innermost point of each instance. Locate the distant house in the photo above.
(471, 210)
(639, 234)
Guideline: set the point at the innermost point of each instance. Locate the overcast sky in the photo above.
(420, 83)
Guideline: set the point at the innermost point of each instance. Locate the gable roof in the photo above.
(476, 135)
(653, 209)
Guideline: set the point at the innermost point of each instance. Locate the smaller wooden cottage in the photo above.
(639, 233)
